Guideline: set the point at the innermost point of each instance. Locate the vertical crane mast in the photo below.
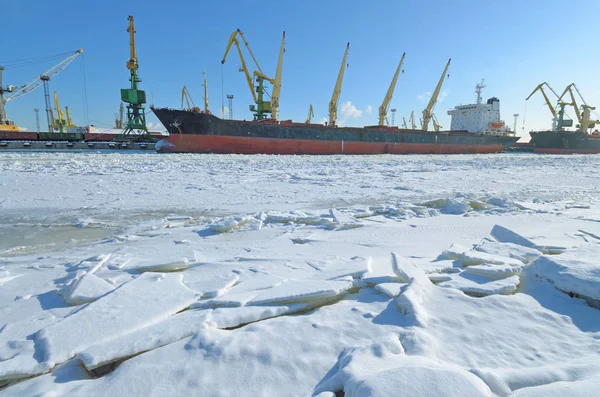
(428, 111)
(337, 90)
(383, 109)
(205, 85)
(311, 114)
(277, 82)
(134, 97)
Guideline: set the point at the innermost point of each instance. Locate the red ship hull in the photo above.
(185, 143)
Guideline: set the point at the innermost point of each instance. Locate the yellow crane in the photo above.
(262, 107)
(436, 125)
(311, 114)
(185, 96)
(337, 90)
(404, 125)
(205, 85)
(383, 109)
(412, 120)
(428, 111)
(540, 87)
(61, 123)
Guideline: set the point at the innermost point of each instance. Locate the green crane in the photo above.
(135, 128)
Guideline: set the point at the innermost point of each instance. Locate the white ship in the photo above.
(479, 118)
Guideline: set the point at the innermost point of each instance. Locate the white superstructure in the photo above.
(479, 118)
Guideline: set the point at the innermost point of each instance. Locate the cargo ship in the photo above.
(565, 142)
(476, 128)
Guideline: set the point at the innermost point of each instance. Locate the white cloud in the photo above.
(443, 96)
(424, 96)
(369, 110)
(348, 110)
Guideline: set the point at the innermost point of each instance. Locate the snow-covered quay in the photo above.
(209, 275)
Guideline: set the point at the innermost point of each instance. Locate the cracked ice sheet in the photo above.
(259, 359)
(512, 331)
(478, 285)
(176, 328)
(576, 270)
(144, 301)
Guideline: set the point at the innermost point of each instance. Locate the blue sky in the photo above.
(513, 44)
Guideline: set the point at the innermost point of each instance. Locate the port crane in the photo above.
(17, 92)
(337, 90)
(311, 114)
(185, 96)
(135, 128)
(555, 116)
(263, 107)
(578, 112)
(61, 123)
(428, 111)
(383, 109)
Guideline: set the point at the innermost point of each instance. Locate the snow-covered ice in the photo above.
(149, 275)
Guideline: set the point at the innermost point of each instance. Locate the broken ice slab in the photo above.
(390, 289)
(175, 328)
(476, 285)
(163, 333)
(210, 284)
(164, 267)
(302, 291)
(576, 271)
(468, 257)
(144, 301)
(509, 250)
(505, 235)
(88, 289)
(493, 272)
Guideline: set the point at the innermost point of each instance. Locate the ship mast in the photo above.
(478, 89)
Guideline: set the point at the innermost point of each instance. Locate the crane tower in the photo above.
(135, 128)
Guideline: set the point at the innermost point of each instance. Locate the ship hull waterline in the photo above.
(192, 132)
(243, 145)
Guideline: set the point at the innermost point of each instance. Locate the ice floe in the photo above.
(576, 271)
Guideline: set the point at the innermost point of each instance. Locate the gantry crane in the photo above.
(311, 114)
(185, 96)
(428, 111)
(17, 92)
(135, 128)
(262, 107)
(337, 90)
(383, 109)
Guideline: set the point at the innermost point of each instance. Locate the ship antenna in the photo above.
(478, 89)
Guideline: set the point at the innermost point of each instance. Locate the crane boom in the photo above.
(311, 114)
(35, 83)
(540, 87)
(383, 109)
(337, 90)
(277, 82)
(262, 107)
(60, 121)
(428, 111)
